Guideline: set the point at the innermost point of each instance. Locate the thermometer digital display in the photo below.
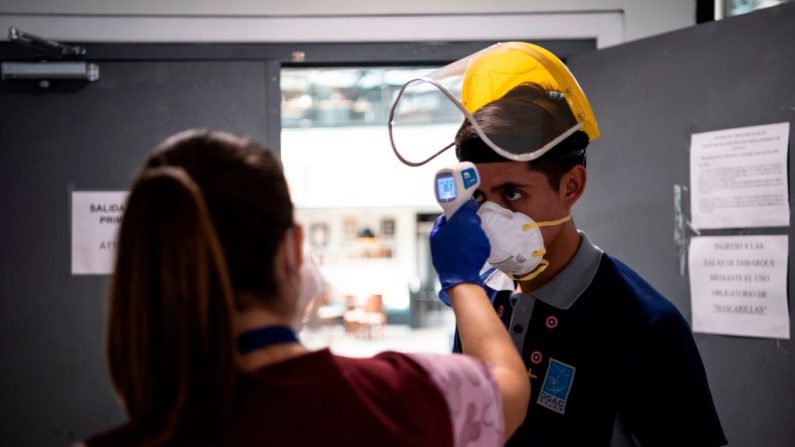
(445, 185)
(454, 186)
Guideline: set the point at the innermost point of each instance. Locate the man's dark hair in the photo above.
(528, 116)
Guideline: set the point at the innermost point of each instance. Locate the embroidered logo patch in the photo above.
(557, 384)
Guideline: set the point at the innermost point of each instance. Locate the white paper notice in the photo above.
(738, 177)
(738, 285)
(95, 220)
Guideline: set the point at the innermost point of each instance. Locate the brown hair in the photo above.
(248, 200)
(202, 224)
(529, 115)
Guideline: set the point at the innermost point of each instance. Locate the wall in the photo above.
(650, 97)
(642, 18)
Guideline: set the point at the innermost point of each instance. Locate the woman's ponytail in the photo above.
(170, 336)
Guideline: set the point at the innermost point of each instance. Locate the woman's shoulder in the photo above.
(390, 397)
(453, 387)
(390, 378)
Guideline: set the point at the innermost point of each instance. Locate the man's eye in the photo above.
(512, 195)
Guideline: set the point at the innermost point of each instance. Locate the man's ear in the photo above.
(572, 185)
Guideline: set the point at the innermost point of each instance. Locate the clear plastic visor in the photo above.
(427, 113)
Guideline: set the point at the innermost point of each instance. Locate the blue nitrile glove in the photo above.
(459, 248)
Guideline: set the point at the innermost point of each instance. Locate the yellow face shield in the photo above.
(424, 109)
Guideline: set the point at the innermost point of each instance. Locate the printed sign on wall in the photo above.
(738, 177)
(738, 285)
(96, 217)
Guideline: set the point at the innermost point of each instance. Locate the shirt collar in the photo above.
(564, 289)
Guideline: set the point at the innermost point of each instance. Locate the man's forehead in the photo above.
(505, 172)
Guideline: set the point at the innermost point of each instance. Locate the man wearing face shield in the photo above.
(610, 360)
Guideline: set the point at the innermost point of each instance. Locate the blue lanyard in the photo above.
(264, 337)
(485, 275)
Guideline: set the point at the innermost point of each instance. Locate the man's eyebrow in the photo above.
(508, 185)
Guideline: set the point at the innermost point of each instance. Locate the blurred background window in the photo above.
(738, 7)
(366, 216)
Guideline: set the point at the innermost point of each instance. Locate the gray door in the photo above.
(649, 97)
(54, 387)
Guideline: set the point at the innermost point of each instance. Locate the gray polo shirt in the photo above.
(561, 292)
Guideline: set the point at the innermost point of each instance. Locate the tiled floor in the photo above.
(435, 338)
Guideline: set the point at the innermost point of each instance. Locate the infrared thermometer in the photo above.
(455, 185)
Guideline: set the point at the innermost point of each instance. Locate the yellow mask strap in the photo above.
(549, 223)
(541, 267)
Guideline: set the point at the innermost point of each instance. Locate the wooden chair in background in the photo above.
(369, 321)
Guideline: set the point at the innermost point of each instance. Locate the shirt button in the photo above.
(536, 357)
(518, 328)
(552, 322)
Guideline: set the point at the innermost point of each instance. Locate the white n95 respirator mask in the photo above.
(310, 288)
(307, 281)
(517, 247)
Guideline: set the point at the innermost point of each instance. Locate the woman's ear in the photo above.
(291, 252)
(572, 185)
(298, 244)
